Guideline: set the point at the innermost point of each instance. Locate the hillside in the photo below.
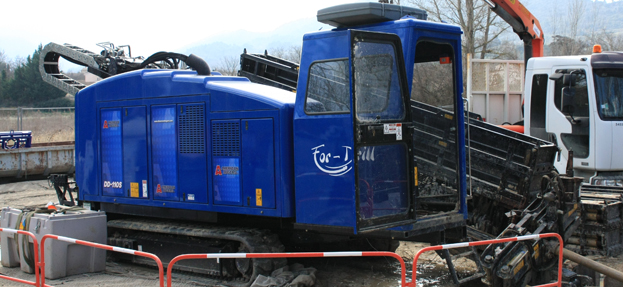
(215, 49)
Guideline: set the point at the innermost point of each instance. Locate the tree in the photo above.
(481, 26)
(228, 66)
(27, 88)
(582, 26)
(292, 53)
(567, 39)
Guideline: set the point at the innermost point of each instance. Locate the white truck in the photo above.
(577, 103)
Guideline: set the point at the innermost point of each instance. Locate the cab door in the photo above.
(382, 132)
(568, 116)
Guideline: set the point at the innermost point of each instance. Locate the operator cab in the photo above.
(359, 151)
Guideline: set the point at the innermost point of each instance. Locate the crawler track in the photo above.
(249, 240)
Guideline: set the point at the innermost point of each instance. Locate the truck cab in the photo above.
(575, 102)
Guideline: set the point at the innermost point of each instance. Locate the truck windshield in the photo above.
(609, 93)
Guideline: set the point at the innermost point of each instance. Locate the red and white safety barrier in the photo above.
(288, 255)
(36, 250)
(494, 241)
(101, 246)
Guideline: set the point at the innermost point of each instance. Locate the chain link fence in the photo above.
(47, 124)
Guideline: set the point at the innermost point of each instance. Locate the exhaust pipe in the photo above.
(198, 64)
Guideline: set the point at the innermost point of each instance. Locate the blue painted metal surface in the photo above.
(323, 199)
(134, 130)
(192, 153)
(258, 177)
(112, 152)
(178, 121)
(164, 152)
(15, 139)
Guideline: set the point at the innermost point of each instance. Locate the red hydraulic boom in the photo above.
(524, 24)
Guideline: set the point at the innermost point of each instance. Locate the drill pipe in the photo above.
(603, 269)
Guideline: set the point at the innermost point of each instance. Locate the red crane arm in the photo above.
(524, 24)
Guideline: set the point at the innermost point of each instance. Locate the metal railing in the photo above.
(36, 251)
(494, 241)
(101, 246)
(47, 124)
(40, 264)
(218, 256)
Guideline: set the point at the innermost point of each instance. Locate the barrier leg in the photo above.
(36, 250)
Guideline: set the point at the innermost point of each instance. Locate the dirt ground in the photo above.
(361, 271)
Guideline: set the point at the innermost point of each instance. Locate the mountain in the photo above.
(215, 48)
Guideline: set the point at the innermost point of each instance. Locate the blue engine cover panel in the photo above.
(164, 155)
(112, 152)
(192, 152)
(135, 152)
(258, 179)
(226, 162)
(152, 138)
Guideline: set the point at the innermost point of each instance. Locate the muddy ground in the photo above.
(378, 271)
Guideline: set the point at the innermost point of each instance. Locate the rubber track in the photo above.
(255, 240)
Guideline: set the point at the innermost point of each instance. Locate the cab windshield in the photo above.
(609, 93)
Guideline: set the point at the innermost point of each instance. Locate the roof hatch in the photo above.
(354, 14)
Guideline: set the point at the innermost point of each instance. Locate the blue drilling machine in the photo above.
(364, 143)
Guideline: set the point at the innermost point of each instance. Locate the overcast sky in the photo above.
(148, 26)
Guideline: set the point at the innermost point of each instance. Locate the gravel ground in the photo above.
(378, 271)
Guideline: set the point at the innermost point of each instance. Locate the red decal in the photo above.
(218, 170)
(158, 189)
(105, 124)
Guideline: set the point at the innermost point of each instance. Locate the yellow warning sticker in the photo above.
(518, 267)
(258, 197)
(443, 144)
(133, 189)
(448, 116)
(536, 251)
(415, 174)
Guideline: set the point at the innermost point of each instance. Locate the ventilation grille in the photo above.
(226, 138)
(192, 130)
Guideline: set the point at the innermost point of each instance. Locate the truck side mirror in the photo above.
(568, 104)
(569, 80)
(555, 76)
